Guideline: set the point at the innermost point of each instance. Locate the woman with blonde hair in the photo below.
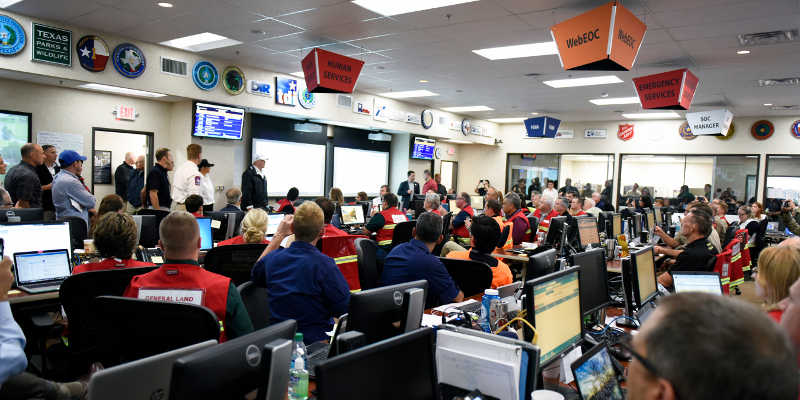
(778, 269)
(336, 196)
(254, 229)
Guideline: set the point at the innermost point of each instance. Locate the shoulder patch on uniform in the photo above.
(197, 180)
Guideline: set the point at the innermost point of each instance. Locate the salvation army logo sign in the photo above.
(686, 132)
(795, 130)
(625, 132)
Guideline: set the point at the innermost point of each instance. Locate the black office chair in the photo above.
(131, 329)
(504, 236)
(256, 302)
(368, 271)
(78, 231)
(472, 277)
(533, 223)
(235, 261)
(76, 294)
(403, 232)
(446, 223)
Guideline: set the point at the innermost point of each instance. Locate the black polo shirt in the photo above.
(695, 256)
(157, 180)
(22, 183)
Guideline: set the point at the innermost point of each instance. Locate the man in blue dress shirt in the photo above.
(303, 284)
(413, 261)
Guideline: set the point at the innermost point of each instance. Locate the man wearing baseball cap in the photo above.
(71, 196)
(254, 184)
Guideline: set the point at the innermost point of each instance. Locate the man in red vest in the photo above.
(512, 207)
(182, 280)
(544, 213)
(460, 228)
(383, 224)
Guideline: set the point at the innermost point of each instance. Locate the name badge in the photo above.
(398, 218)
(188, 296)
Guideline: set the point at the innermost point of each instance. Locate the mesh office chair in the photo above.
(369, 273)
(78, 231)
(256, 301)
(403, 232)
(533, 223)
(76, 294)
(131, 329)
(235, 261)
(472, 277)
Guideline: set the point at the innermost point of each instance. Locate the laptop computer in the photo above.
(148, 378)
(596, 375)
(697, 281)
(41, 271)
(320, 351)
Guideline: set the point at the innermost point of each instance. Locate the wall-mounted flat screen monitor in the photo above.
(217, 121)
(423, 148)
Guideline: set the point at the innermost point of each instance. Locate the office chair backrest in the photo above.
(446, 223)
(403, 232)
(78, 231)
(533, 223)
(78, 291)
(235, 261)
(368, 273)
(472, 277)
(131, 329)
(256, 302)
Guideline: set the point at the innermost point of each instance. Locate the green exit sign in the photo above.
(51, 45)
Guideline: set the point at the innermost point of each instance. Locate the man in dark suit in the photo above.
(254, 185)
(407, 189)
(46, 172)
(233, 197)
(122, 175)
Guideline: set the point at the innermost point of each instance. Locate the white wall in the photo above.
(118, 143)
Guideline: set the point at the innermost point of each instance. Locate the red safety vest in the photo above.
(510, 241)
(544, 221)
(462, 231)
(283, 203)
(744, 238)
(737, 262)
(342, 249)
(331, 230)
(519, 216)
(391, 217)
(109, 263)
(182, 283)
(435, 211)
(237, 240)
(723, 268)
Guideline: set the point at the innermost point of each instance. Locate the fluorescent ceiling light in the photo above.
(8, 3)
(506, 120)
(456, 141)
(298, 74)
(467, 109)
(590, 81)
(423, 81)
(654, 115)
(408, 93)
(518, 51)
(767, 104)
(120, 90)
(394, 7)
(165, 5)
(201, 42)
(615, 100)
(743, 52)
(534, 113)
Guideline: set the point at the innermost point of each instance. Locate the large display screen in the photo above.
(291, 164)
(350, 174)
(423, 148)
(15, 130)
(217, 121)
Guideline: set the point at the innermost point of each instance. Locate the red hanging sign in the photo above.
(327, 72)
(625, 132)
(673, 90)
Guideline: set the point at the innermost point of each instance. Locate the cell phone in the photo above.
(2, 248)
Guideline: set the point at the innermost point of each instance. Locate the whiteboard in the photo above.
(292, 164)
(62, 141)
(360, 170)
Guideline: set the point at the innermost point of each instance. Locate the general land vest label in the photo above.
(187, 296)
(51, 45)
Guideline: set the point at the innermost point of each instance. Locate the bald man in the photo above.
(182, 277)
(122, 175)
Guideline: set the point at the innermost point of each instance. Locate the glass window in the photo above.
(588, 172)
(783, 180)
(528, 168)
(582, 169)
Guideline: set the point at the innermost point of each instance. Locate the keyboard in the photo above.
(471, 307)
(317, 353)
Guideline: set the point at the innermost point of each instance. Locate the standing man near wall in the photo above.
(22, 182)
(407, 189)
(71, 196)
(156, 190)
(187, 179)
(135, 187)
(47, 172)
(254, 185)
(121, 177)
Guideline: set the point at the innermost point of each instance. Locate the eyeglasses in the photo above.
(626, 343)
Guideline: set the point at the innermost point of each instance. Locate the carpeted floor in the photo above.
(749, 293)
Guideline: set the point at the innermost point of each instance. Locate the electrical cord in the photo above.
(520, 317)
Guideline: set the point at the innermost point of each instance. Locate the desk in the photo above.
(506, 255)
(17, 296)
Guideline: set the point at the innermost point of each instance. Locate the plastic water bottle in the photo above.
(486, 308)
(298, 374)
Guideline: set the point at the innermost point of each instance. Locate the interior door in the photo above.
(449, 172)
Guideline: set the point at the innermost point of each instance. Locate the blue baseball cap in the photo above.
(68, 157)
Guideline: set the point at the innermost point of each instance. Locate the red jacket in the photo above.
(342, 249)
(391, 216)
(109, 263)
(184, 283)
(237, 240)
(430, 185)
(284, 203)
(331, 230)
(462, 230)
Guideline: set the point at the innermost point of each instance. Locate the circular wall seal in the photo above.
(466, 127)
(795, 129)
(92, 53)
(12, 36)
(306, 99)
(731, 130)
(762, 130)
(426, 119)
(129, 60)
(686, 132)
(205, 75)
(233, 80)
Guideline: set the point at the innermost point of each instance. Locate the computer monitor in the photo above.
(644, 276)
(400, 368)
(657, 216)
(366, 206)
(476, 202)
(594, 281)
(152, 376)
(543, 263)
(596, 376)
(224, 225)
(273, 220)
(453, 207)
(636, 226)
(374, 312)
(352, 215)
(148, 230)
(554, 231)
(587, 231)
(206, 240)
(22, 215)
(553, 307)
(616, 225)
(22, 237)
(650, 221)
(697, 281)
(229, 370)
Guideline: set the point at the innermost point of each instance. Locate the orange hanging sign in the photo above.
(328, 72)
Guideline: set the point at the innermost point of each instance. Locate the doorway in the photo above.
(449, 173)
(109, 147)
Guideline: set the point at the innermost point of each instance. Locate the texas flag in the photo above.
(92, 54)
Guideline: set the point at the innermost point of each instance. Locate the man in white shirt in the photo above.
(187, 179)
(206, 186)
(590, 207)
(551, 191)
